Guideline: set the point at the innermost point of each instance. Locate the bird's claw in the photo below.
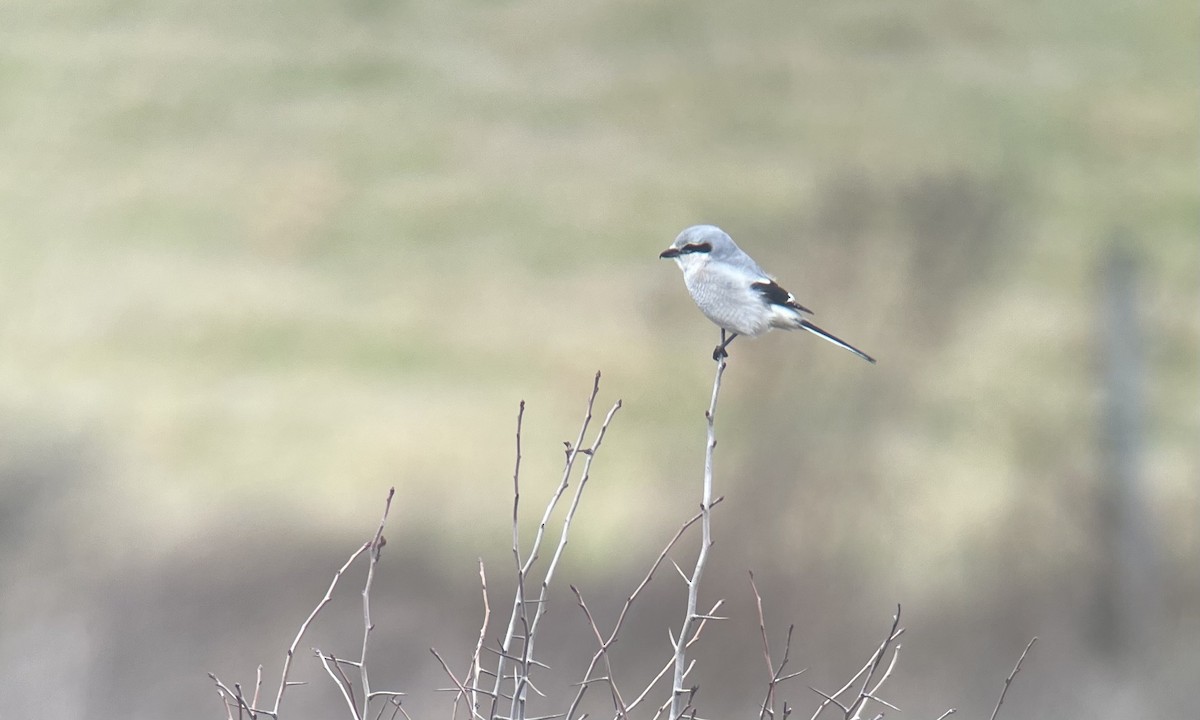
(719, 353)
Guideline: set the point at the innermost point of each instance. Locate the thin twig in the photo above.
(251, 707)
(831, 699)
(868, 670)
(402, 711)
(257, 686)
(865, 695)
(775, 674)
(376, 546)
(519, 595)
(475, 670)
(879, 659)
(1008, 681)
(241, 700)
(618, 701)
(461, 689)
(287, 662)
(393, 699)
(334, 668)
(228, 695)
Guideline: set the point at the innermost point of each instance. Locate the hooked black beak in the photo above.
(669, 253)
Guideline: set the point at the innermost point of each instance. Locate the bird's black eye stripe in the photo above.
(696, 248)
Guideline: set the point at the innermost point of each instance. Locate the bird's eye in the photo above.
(697, 248)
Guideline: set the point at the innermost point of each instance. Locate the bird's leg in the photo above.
(719, 352)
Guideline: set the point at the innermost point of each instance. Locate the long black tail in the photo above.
(835, 340)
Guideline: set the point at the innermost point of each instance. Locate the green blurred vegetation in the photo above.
(263, 259)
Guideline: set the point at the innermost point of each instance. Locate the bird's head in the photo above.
(697, 244)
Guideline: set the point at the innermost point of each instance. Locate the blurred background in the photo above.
(260, 261)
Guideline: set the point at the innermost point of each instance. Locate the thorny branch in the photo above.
(251, 708)
(852, 699)
(867, 690)
(605, 644)
(475, 669)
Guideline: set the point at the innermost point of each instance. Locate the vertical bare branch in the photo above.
(590, 454)
(519, 595)
(474, 671)
(376, 546)
(257, 686)
(520, 612)
(679, 694)
(1008, 681)
(666, 667)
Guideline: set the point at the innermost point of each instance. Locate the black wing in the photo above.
(774, 294)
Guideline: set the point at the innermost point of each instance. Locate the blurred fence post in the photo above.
(1127, 589)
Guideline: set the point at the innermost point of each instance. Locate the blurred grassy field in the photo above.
(262, 260)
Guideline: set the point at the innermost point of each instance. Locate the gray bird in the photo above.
(734, 292)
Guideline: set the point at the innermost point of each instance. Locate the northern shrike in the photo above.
(734, 292)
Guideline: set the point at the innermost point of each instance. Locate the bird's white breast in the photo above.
(724, 296)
